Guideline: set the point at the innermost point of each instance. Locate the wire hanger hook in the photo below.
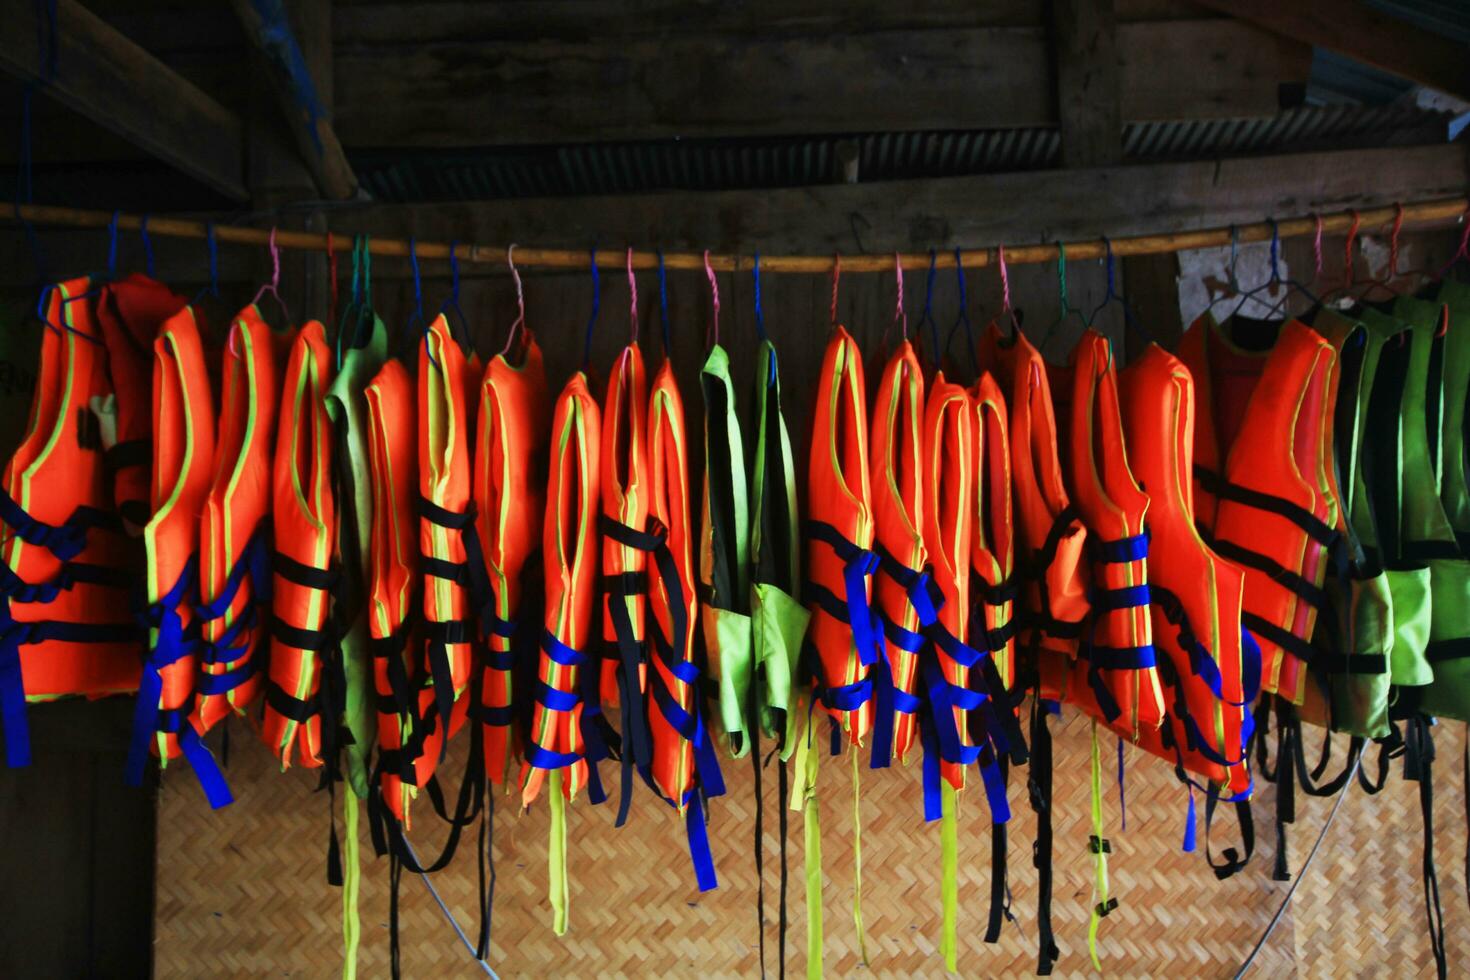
(714, 288)
(632, 301)
(836, 278)
(519, 323)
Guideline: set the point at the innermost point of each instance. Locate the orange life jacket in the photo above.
(66, 626)
(624, 513)
(572, 560)
(1263, 449)
(183, 464)
(408, 750)
(446, 525)
(1114, 677)
(685, 766)
(305, 681)
(1049, 536)
(234, 531)
(510, 505)
(130, 313)
(1211, 669)
(844, 638)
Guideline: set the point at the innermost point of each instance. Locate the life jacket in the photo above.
(897, 478)
(778, 620)
(183, 465)
(626, 488)
(234, 528)
(1049, 540)
(510, 505)
(1437, 373)
(1263, 452)
(1114, 677)
(130, 313)
(685, 767)
(408, 750)
(1357, 641)
(1049, 536)
(1210, 668)
(448, 545)
(305, 680)
(352, 489)
(724, 548)
(570, 543)
(66, 626)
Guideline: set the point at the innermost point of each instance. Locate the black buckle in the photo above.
(1103, 908)
(1099, 845)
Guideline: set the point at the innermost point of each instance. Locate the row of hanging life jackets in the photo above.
(355, 547)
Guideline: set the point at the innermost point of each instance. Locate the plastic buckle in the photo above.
(1103, 908)
(1099, 845)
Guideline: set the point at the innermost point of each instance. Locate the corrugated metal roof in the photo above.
(623, 168)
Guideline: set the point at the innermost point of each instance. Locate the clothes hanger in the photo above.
(760, 317)
(213, 248)
(632, 302)
(963, 317)
(663, 299)
(900, 315)
(1130, 319)
(149, 266)
(1385, 282)
(596, 303)
(1462, 252)
(836, 278)
(1006, 308)
(451, 304)
(416, 318)
(928, 315)
(519, 323)
(274, 286)
(331, 277)
(714, 289)
(1276, 311)
(1066, 307)
(355, 300)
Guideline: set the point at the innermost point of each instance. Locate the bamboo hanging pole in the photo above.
(1416, 213)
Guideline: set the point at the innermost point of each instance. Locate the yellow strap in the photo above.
(804, 798)
(949, 877)
(1100, 859)
(557, 854)
(351, 876)
(857, 857)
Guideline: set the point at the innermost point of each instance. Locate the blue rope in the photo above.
(452, 303)
(418, 300)
(596, 303)
(148, 264)
(964, 315)
(663, 300)
(112, 247)
(928, 315)
(1275, 251)
(213, 259)
(760, 317)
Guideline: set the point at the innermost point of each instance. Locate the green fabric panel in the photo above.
(1449, 694)
(1409, 590)
(727, 637)
(347, 407)
(779, 623)
(1453, 492)
(779, 618)
(1363, 605)
(1360, 701)
(724, 568)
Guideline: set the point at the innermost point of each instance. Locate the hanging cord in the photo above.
(332, 278)
(1347, 251)
(663, 301)
(462, 335)
(149, 265)
(519, 323)
(112, 246)
(596, 303)
(1317, 250)
(1005, 278)
(899, 313)
(928, 315)
(714, 289)
(760, 316)
(1290, 892)
(632, 302)
(836, 278)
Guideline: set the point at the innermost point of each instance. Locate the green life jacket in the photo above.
(1454, 493)
(1358, 638)
(778, 619)
(346, 404)
(724, 549)
(1428, 534)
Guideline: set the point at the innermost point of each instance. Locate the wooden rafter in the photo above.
(107, 78)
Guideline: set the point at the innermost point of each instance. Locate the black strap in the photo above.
(130, 452)
(1217, 485)
(1040, 792)
(307, 576)
(1232, 861)
(1419, 767)
(1310, 593)
(1000, 888)
(289, 706)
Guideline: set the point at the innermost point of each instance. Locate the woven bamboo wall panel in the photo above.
(242, 892)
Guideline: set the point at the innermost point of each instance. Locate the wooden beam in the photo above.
(269, 30)
(116, 84)
(482, 91)
(1084, 40)
(1352, 28)
(910, 216)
